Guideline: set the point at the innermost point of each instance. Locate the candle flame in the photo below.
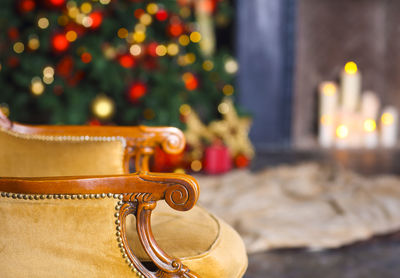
(326, 120)
(387, 119)
(342, 131)
(369, 125)
(329, 89)
(351, 68)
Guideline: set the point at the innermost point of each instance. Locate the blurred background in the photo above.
(297, 95)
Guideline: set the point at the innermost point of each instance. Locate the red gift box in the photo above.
(217, 159)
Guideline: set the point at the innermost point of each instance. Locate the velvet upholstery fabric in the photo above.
(59, 238)
(23, 157)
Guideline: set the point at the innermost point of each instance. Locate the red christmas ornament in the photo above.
(26, 5)
(86, 57)
(97, 19)
(94, 122)
(175, 29)
(136, 91)
(13, 62)
(191, 82)
(164, 162)
(241, 161)
(13, 33)
(183, 2)
(79, 29)
(138, 13)
(127, 61)
(150, 64)
(151, 49)
(217, 159)
(161, 15)
(208, 6)
(74, 79)
(56, 3)
(59, 43)
(65, 66)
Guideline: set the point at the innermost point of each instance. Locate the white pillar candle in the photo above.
(351, 86)
(326, 132)
(328, 100)
(342, 130)
(370, 105)
(342, 136)
(389, 127)
(356, 130)
(371, 140)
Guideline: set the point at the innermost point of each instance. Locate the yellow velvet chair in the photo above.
(67, 201)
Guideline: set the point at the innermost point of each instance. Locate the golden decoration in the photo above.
(196, 131)
(233, 130)
(103, 107)
(37, 87)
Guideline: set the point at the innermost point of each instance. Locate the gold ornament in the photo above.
(103, 107)
(196, 131)
(233, 130)
(37, 87)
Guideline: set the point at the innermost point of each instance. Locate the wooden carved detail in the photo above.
(142, 205)
(179, 190)
(182, 191)
(171, 140)
(126, 209)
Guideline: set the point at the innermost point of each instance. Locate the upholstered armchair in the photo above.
(70, 208)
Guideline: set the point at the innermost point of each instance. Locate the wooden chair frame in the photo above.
(137, 192)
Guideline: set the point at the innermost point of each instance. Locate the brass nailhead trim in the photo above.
(67, 137)
(85, 196)
(119, 238)
(59, 196)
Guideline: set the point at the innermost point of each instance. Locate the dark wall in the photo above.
(265, 51)
(331, 32)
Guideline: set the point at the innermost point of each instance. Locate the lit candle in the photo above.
(326, 132)
(342, 130)
(350, 85)
(370, 136)
(342, 133)
(328, 100)
(370, 105)
(389, 126)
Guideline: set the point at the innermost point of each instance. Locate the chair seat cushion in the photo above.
(204, 243)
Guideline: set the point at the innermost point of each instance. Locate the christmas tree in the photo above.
(108, 61)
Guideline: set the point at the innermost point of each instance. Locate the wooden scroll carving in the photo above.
(141, 206)
(171, 140)
(180, 194)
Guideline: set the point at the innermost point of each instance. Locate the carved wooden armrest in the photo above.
(140, 140)
(139, 193)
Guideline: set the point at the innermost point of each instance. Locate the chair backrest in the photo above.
(25, 155)
(81, 150)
